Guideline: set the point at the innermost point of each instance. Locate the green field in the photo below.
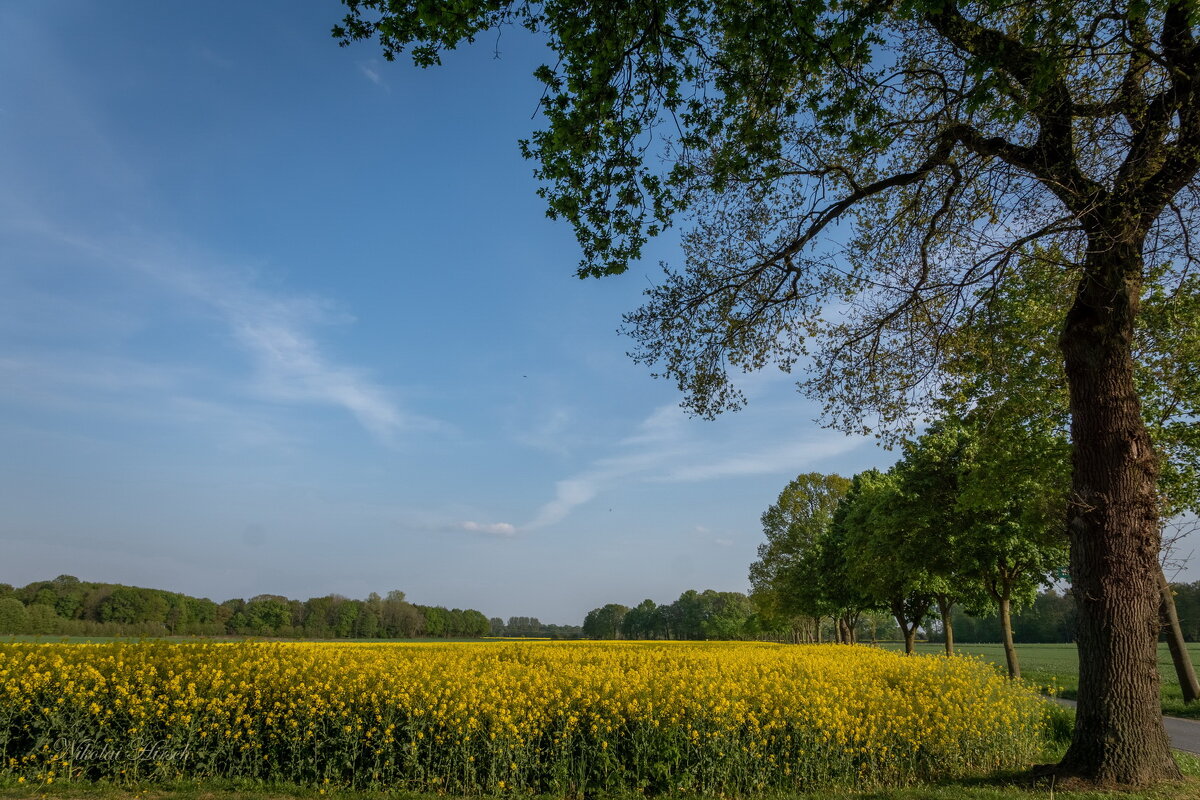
(1058, 665)
(1006, 787)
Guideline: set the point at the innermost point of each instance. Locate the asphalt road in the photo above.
(1184, 733)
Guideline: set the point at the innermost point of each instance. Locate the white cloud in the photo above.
(493, 528)
(215, 59)
(666, 449)
(292, 369)
(771, 459)
(290, 364)
(567, 495)
(663, 424)
(371, 71)
(276, 330)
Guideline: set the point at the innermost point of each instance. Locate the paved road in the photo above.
(1184, 733)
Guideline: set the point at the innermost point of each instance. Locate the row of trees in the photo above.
(964, 518)
(1051, 617)
(956, 537)
(710, 615)
(69, 606)
(1187, 604)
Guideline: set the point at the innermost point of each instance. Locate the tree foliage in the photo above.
(67, 605)
(694, 615)
(1001, 367)
(971, 514)
(785, 579)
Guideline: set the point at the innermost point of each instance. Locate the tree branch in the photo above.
(1053, 155)
(1181, 161)
(945, 143)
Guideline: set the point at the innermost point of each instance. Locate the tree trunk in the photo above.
(946, 609)
(1006, 633)
(910, 634)
(850, 623)
(1113, 527)
(1174, 633)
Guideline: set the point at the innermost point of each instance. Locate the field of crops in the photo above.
(476, 718)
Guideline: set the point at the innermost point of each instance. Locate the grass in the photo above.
(1011, 786)
(1058, 665)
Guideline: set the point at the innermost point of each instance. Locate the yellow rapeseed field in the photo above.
(508, 717)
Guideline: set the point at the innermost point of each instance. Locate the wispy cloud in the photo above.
(569, 494)
(490, 528)
(664, 449)
(779, 458)
(291, 368)
(370, 69)
(213, 58)
(275, 330)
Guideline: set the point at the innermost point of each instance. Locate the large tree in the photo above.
(999, 368)
(888, 161)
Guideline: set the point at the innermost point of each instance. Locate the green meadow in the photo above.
(1057, 665)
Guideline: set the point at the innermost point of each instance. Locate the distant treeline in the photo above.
(1187, 604)
(70, 607)
(695, 615)
(532, 627)
(1051, 618)
(713, 615)
(732, 615)
(67, 606)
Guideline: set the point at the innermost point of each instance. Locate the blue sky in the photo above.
(280, 317)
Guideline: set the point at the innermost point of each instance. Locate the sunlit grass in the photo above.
(1058, 664)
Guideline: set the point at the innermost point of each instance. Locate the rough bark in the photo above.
(850, 621)
(946, 609)
(910, 632)
(1175, 642)
(1006, 633)
(1119, 737)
